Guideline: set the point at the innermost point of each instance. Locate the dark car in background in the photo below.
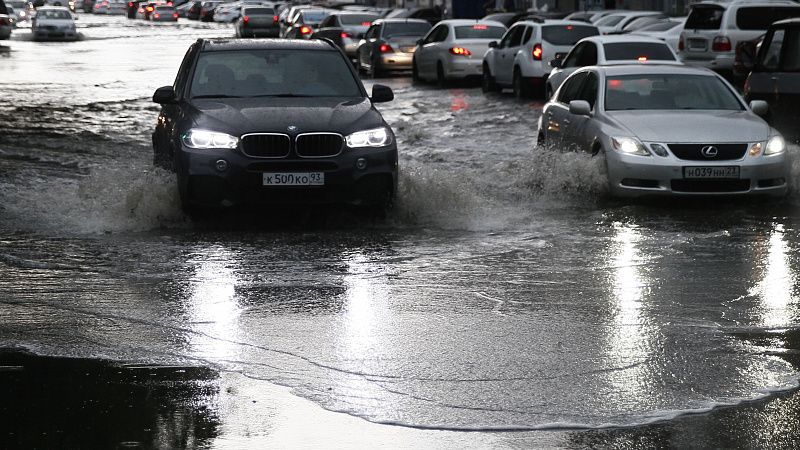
(350, 27)
(775, 77)
(389, 45)
(207, 10)
(306, 23)
(274, 122)
(430, 15)
(257, 21)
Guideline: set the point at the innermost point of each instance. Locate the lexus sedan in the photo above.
(667, 130)
(274, 122)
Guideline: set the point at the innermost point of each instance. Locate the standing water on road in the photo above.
(505, 291)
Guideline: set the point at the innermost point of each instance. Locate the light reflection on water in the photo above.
(774, 291)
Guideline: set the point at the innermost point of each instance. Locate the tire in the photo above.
(374, 72)
(521, 88)
(487, 81)
(441, 81)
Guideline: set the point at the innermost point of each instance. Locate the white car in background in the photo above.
(667, 130)
(454, 49)
(53, 22)
(614, 23)
(668, 31)
(609, 50)
(521, 59)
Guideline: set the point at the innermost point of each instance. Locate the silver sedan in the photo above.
(667, 130)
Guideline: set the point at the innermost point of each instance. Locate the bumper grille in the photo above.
(266, 145)
(694, 152)
(710, 185)
(318, 145)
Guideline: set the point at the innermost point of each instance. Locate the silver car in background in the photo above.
(53, 22)
(389, 44)
(667, 130)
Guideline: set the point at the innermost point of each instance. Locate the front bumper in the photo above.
(643, 176)
(395, 61)
(55, 34)
(243, 181)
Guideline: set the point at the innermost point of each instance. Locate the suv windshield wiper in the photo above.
(216, 96)
(283, 95)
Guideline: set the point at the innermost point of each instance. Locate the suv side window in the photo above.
(183, 73)
(527, 36)
(571, 88)
(513, 37)
(772, 57)
(572, 58)
(588, 56)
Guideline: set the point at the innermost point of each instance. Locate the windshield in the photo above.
(567, 34)
(609, 21)
(669, 92)
(264, 73)
(479, 31)
(705, 18)
(660, 26)
(358, 19)
(314, 16)
(638, 51)
(405, 29)
(52, 14)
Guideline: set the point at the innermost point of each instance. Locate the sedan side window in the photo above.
(588, 56)
(571, 88)
(372, 33)
(589, 90)
(572, 58)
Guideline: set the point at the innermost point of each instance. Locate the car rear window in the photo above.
(761, 17)
(661, 26)
(358, 19)
(633, 51)
(479, 31)
(165, 9)
(567, 34)
(669, 92)
(273, 73)
(259, 11)
(705, 18)
(406, 29)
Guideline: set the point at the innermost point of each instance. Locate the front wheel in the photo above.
(441, 81)
(521, 87)
(487, 82)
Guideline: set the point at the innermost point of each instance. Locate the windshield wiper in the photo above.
(217, 96)
(286, 95)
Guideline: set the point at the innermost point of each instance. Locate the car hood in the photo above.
(309, 114)
(693, 126)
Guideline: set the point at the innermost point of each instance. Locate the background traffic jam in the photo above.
(415, 215)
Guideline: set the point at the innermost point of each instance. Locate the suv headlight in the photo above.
(209, 139)
(775, 145)
(630, 146)
(377, 137)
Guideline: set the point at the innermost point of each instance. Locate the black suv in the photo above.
(274, 122)
(776, 77)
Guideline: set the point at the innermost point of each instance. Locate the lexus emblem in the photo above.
(293, 128)
(709, 151)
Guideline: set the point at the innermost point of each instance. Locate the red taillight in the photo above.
(169, 3)
(721, 44)
(460, 51)
(130, 4)
(96, 6)
(150, 9)
(141, 10)
(274, 19)
(245, 19)
(680, 43)
(569, 27)
(305, 30)
(345, 35)
(537, 52)
(385, 48)
(175, 15)
(614, 84)
(366, 24)
(156, 15)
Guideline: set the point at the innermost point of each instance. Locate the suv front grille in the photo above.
(318, 145)
(693, 152)
(266, 145)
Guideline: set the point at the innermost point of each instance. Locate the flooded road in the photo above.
(505, 293)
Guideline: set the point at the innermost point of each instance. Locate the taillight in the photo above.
(366, 24)
(385, 48)
(345, 35)
(680, 43)
(245, 19)
(150, 9)
(642, 59)
(721, 44)
(537, 52)
(274, 19)
(156, 15)
(169, 3)
(305, 30)
(130, 4)
(460, 51)
(175, 15)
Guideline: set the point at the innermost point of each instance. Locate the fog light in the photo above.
(361, 163)
(221, 165)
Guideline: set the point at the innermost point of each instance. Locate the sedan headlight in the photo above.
(630, 146)
(775, 145)
(209, 139)
(377, 137)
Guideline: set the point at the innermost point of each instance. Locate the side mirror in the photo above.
(381, 94)
(580, 108)
(164, 95)
(493, 44)
(759, 107)
(555, 63)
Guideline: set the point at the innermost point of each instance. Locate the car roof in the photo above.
(647, 68)
(399, 20)
(634, 13)
(614, 38)
(455, 22)
(556, 22)
(746, 2)
(223, 44)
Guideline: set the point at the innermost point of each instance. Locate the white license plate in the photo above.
(294, 179)
(711, 172)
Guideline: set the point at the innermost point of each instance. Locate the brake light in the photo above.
(345, 35)
(385, 48)
(305, 30)
(366, 24)
(150, 9)
(680, 43)
(169, 3)
(245, 19)
(642, 59)
(537, 52)
(274, 19)
(480, 27)
(569, 27)
(721, 44)
(130, 4)
(156, 15)
(175, 15)
(614, 84)
(460, 51)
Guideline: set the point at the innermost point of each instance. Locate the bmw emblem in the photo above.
(291, 128)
